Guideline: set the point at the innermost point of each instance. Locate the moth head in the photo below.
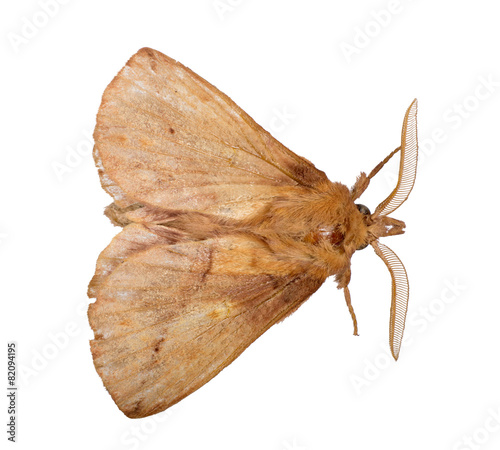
(378, 224)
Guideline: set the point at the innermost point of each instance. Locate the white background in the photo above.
(344, 72)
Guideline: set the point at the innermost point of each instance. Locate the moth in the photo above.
(225, 233)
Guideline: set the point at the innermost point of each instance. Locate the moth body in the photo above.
(225, 232)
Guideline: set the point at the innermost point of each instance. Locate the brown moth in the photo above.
(225, 233)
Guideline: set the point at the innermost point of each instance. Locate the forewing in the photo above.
(168, 318)
(167, 138)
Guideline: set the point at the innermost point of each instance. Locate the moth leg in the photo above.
(363, 180)
(381, 164)
(343, 282)
(347, 296)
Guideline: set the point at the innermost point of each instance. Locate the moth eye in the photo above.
(363, 209)
(366, 212)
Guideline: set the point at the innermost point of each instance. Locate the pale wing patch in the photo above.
(132, 239)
